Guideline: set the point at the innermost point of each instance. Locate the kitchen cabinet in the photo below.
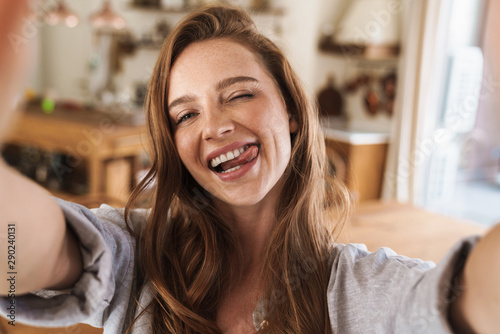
(359, 160)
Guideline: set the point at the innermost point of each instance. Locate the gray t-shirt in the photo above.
(379, 292)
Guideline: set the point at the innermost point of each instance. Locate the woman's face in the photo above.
(230, 124)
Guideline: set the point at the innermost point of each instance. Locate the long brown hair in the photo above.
(185, 246)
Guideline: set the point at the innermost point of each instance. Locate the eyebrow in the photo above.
(181, 100)
(220, 86)
(234, 80)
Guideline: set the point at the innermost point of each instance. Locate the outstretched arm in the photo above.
(43, 251)
(477, 308)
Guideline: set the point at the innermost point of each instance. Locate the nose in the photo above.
(217, 123)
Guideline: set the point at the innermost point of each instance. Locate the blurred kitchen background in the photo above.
(408, 91)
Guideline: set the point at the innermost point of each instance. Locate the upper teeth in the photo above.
(226, 157)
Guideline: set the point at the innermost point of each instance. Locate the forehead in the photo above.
(207, 62)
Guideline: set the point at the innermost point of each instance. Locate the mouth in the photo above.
(234, 159)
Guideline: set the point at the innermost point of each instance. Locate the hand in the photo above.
(14, 54)
(477, 308)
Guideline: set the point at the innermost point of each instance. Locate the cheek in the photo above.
(270, 115)
(185, 147)
(278, 124)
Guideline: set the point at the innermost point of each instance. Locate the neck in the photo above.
(253, 225)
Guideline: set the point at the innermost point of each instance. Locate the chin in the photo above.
(242, 201)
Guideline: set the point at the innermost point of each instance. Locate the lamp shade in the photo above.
(370, 23)
(106, 18)
(62, 15)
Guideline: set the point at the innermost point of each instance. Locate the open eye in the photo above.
(184, 117)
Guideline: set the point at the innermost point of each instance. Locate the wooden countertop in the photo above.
(408, 230)
(91, 138)
(339, 130)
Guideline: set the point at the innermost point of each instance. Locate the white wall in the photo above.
(300, 29)
(65, 65)
(344, 69)
(66, 52)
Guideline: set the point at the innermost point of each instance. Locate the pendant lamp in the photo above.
(106, 18)
(61, 15)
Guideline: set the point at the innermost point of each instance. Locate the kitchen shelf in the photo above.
(183, 10)
(358, 52)
(274, 11)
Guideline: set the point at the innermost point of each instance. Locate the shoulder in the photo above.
(349, 257)
(105, 218)
(359, 271)
(137, 217)
(366, 288)
(390, 292)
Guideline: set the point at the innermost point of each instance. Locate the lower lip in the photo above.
(240, 172)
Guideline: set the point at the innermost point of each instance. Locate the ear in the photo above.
(293, 124)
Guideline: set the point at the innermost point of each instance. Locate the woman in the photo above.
(221, 91)
(240, 235)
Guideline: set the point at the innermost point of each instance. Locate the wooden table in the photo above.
(108, 149)
(408, 230)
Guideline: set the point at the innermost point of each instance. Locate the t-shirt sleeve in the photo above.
(382, 292)
(102, 293)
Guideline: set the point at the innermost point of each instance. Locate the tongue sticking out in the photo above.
(244, 158)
